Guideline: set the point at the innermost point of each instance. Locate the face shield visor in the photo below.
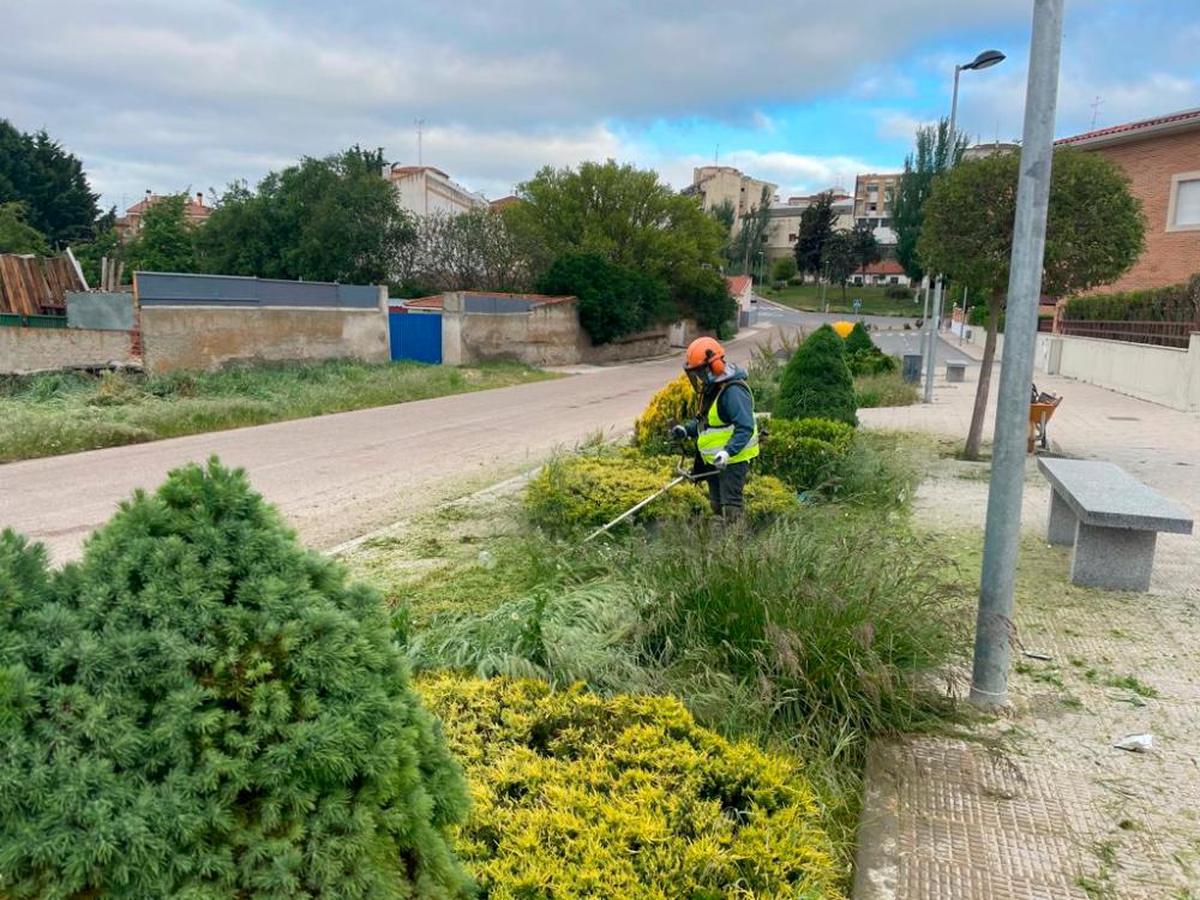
(699, 377)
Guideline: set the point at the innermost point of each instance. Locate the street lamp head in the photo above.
(985, 60)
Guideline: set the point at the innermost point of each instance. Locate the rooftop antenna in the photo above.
(1095, 104)
(420, 123)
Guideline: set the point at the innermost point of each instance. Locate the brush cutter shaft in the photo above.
(629, 512)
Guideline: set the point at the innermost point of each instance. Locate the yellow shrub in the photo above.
(676, 402)
(575, 795)
(577, 492)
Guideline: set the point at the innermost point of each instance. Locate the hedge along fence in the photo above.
(1158, 316)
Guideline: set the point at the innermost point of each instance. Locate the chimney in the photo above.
(200, 199)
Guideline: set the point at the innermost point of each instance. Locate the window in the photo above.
(792, 238)
(1183, 210)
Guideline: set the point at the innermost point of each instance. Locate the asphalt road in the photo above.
(338, 476)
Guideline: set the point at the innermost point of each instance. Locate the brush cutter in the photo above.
(681, 474)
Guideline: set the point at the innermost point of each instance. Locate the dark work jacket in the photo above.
(735, 406)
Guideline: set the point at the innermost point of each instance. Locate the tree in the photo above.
(332, 219)
(866, 246)
(166, 240)
(36, 171)
(783, 269)
(839, 258)
(17, 235)
(1094, 232)
(626, 215)
(815, 228)
(748, 242)
(934, 154)
(613, 300)
(474, 250)
(816, 382)
(203, 708)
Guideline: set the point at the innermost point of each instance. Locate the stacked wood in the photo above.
(32, 286)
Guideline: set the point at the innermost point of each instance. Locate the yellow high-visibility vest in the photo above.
(715, 434)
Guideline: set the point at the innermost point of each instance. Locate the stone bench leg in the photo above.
(1115, 558)
(1063, 521)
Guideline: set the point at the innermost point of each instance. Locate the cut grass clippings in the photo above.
(66, 412)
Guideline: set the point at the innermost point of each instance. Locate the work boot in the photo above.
(733, 515)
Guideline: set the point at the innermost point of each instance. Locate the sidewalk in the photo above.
(1046, 807)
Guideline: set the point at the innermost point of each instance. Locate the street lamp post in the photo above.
(984, 60)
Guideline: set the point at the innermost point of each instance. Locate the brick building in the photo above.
(1161, 156)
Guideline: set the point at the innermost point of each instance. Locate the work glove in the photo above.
(679, 433)
(721, 460)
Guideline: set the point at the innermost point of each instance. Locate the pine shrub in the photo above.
(675, 402)
(805, 454)
(816, 382)
(858, 339)
(626, 797)
(201, 708)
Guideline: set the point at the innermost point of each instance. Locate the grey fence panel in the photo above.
(99, 310)
(474, 303)
(172, 289)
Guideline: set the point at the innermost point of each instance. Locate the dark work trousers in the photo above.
(725, 489)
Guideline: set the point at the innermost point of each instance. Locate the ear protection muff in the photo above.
(716, 364)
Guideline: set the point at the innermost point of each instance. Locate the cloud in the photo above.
(897, 125)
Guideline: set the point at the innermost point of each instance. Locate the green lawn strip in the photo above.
(65, 412)
(875, 301)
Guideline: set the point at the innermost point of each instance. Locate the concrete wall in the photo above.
(547, 335)
(99, 309)
(1163, 375)
(45, 349)
(208, 337)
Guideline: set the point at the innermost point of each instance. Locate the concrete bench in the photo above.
(1111, 519)
(956, 371)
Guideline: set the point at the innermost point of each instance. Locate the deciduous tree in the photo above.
(16, 234)
(1094, 232)
(166, 240)
(816, 226)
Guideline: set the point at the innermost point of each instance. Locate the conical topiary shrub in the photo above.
(201, 708)
(858, 339)
(816, 382)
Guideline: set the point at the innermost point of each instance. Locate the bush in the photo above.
(574, 493)
(581, 796)
(676, 402)
(1177, 303)
(613, 300)
(796, 280)
(804, 454)
(201, 708)
(870, 362)
(858, 339)
(816, 382)
(898, 292)
(783, 269)
(705, 294)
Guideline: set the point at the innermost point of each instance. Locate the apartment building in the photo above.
(874, 195)
(716, 185)
(425, 189)
(783, 223)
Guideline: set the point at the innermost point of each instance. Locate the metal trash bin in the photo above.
(956, 371)
(912, 367)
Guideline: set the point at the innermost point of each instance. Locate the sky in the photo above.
(173, 95)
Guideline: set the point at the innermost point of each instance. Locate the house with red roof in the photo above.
(195, 210)
(886, 271)
(1161, 157)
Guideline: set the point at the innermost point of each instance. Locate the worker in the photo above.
(725, 431)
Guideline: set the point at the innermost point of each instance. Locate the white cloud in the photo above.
(897, 125)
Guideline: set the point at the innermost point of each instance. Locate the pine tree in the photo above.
(816, 382)
(858, 339)
(201, 708)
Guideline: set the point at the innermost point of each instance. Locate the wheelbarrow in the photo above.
(1041, 410)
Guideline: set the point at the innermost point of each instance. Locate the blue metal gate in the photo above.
(416, 335)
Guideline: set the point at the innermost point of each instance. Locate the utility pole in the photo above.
(993, 628)
(931, 330)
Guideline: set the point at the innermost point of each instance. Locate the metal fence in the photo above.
(175, 289)
(1162, 334)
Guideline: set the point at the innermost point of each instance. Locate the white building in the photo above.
(424, 190)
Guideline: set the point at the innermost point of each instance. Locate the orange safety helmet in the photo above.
(705, 351)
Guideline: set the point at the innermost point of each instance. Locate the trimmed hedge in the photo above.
(816, 382)
(1177, 303)
(201, 708)
(673, 403)
(578, 492)
(577, 795)
(804, 454)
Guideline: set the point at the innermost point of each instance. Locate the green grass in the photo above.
(875, 301)
(884, 389)
(65, 412)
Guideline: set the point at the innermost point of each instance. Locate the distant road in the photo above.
(338, 476)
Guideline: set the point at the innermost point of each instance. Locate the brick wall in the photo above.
(1170, 257)
(45, 349)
